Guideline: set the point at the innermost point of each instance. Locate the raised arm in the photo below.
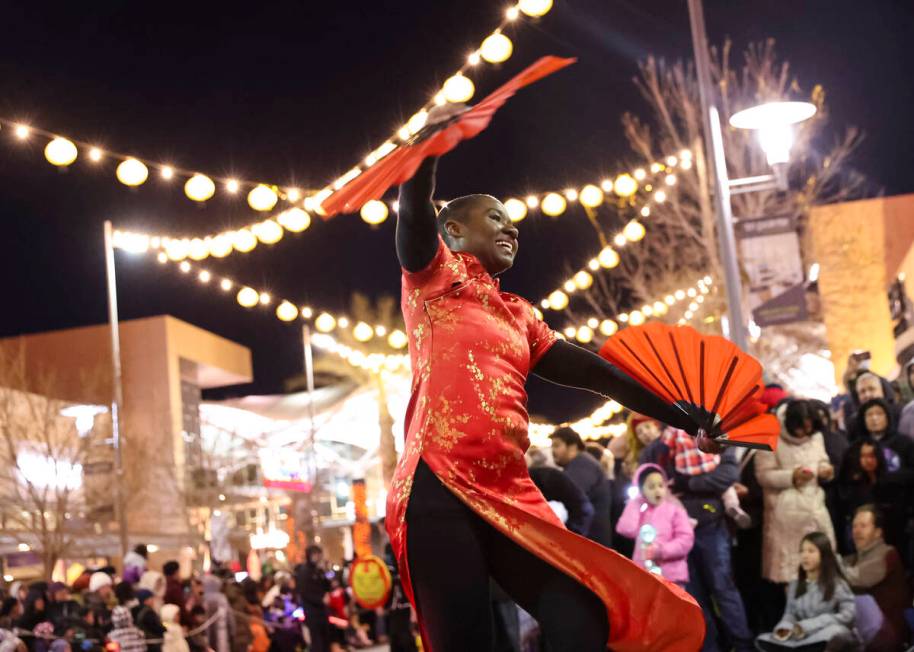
(417, 230)
(572, 366)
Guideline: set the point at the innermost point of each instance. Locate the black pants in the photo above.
(316, 619)
(452, 555)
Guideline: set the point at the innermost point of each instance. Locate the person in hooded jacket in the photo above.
(659, 525)
(146, 618)
(222, 632)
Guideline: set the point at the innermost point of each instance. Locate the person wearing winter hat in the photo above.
(135, 563)
(98, 599)
(660, 526)
(127, 637)
(174, 633)
(147, 619)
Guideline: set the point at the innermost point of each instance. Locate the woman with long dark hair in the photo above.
(820, 605)
(862, 482)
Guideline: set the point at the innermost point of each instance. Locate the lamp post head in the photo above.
(773, 122)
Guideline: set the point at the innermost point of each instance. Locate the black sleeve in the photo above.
(580, 509)
(417, 229)
(572, 366)
(718, 480)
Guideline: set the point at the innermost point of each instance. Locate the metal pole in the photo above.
(714, 148)
(118, 389)
(312, 458)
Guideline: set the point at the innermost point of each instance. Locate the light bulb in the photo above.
(583, 280)
(608, 327)
(558, 300)
(625, 185)
(167, 172)
(608, 258)
(286, 311)
(584, 334)
(517, 210)
(553, 204)
(294, 219)
(591, 196)
(262, 198)
(374, 212)
(131, 172)
(458, 89)
(268, 232)
(535, 8)
(362, 332)
(60, 152)
(634, 231)
(325, 322)
(496, 48)
(243, 240)
(199, 188)
(397, 339)
(248, 297)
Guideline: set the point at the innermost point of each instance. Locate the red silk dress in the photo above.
(472, 347)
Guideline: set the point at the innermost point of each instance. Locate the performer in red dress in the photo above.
(462, 509)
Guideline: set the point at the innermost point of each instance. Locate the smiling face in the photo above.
(479, 225)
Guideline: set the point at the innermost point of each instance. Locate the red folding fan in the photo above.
(715, 383)
(433, 140)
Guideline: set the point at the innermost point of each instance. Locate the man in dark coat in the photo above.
(569, 453)
(312, 586)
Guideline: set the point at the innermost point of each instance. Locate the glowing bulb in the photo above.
(294, 219)
(22, 132)
(633, 231)
(608, 327)
(623, 318)
(593, 322)
(306, 312)
(655, 168)
(670, 179)
(232, 186)
(131, 172)
(397, 339)
(225, 284)
(517, 210)
(535, 8)
(620, 240)
(177, 249)
(362, 332)
(95, 155)
(640, 174)
(558, 300)
(325, 322)
(571, 194)
(167, 172)
(439, 99)
(625, 185)
(343, 322)
(199, 187)
(691, 293)
(403, 133)
(248, 297)
(199, 249)
(380, 331)
(268, 232)
(204, 276)
(60, 152)
(660, 196)
(374, 212)
(532, 201)
(262, 198)
(669, 299)
(645, 211)
(473, 59)
(512, 13)
(553, 204)
(648, 310)
(570, 332)
(496, 48)
(591, 196)
(458, 89)
(569, 286)
(265, 298)
(243, 240)
(608, 258)
(286, 311)
(162, 257)
(293, 194)
(636, 318)
(583, 280)
(417, 121)
(584, 334)
(686, 164)
(606, 185)
(679, 294)
(184, 266)
(593, 265)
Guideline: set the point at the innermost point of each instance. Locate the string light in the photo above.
(375, 362)
(60, 152)
(458, 89)
(496, 48)
(132, 172)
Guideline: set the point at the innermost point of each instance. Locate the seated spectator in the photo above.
(127, 637)
(568, 452)
(660, 526)
(820, 605)
(865, 480)
(876, 570)
(794, 500)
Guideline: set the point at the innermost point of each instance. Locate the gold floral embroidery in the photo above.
(412, 298)
(444, 425)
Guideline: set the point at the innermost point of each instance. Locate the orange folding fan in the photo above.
(715, 383)
(433, 140)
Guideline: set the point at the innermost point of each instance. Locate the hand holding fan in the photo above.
(432, 140)
(709, 378)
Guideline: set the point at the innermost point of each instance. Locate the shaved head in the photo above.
(480, 225)
(459, 210)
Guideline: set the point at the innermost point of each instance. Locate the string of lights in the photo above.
(374, 362)
(285, 310)
(695, 295)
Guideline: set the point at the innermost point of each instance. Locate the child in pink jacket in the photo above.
(662, 546)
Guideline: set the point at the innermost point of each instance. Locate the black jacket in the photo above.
(311, 584)
(556, 485)
(700, 494)
(590, 478)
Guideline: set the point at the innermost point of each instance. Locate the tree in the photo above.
(681, 242)
(46, 489)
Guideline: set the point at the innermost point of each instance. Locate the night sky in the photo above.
(297, 92)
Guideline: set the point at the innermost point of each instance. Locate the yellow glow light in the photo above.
(655, 168)
(679, 294)
(60, 152)
(177, 249)
(606, 185)
(517, 210)
(593, 265)
(608, 258)
(268, 232)
(131, 172)
(439, 99)
(22, 132)
(362, 332)
(167, 172)
(622, 317)
(640, 174)
(417, 121)
(570, 332)
(293, 194)
(380, 330)
(343, 322)
(374, 212)
(669, 299)
(608, 327)
(512, 13)
(248, 297)
(636, 318)
(532, 201)
(397, 339)
(535, 8)
(95, 155)
(583, 280)
(458, 89)
(265, 298)
(232, 186)
(670, 179)
(262, 198)
(633, 231)
(473, 58)
(162, 257)
(325, 322)
(557, 300)
(184, 266)
(243, 240)
(584, 334)
(496, 48)
(625, 185)
(660, 196)
(199, 187)
(294, 219)
(571, 194)
(593, 322)
(204, 276)
(553, 204)
(199, 249)
(306, 312)
(403, 133)
(645, 211)
(569, 286)
(620, 240)
(286, 311)
(225, 284)
(686, 164)
(591, 196)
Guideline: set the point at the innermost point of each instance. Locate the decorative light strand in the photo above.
(286, 310)
(374, 362)
(695, 295)
(133, 171)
